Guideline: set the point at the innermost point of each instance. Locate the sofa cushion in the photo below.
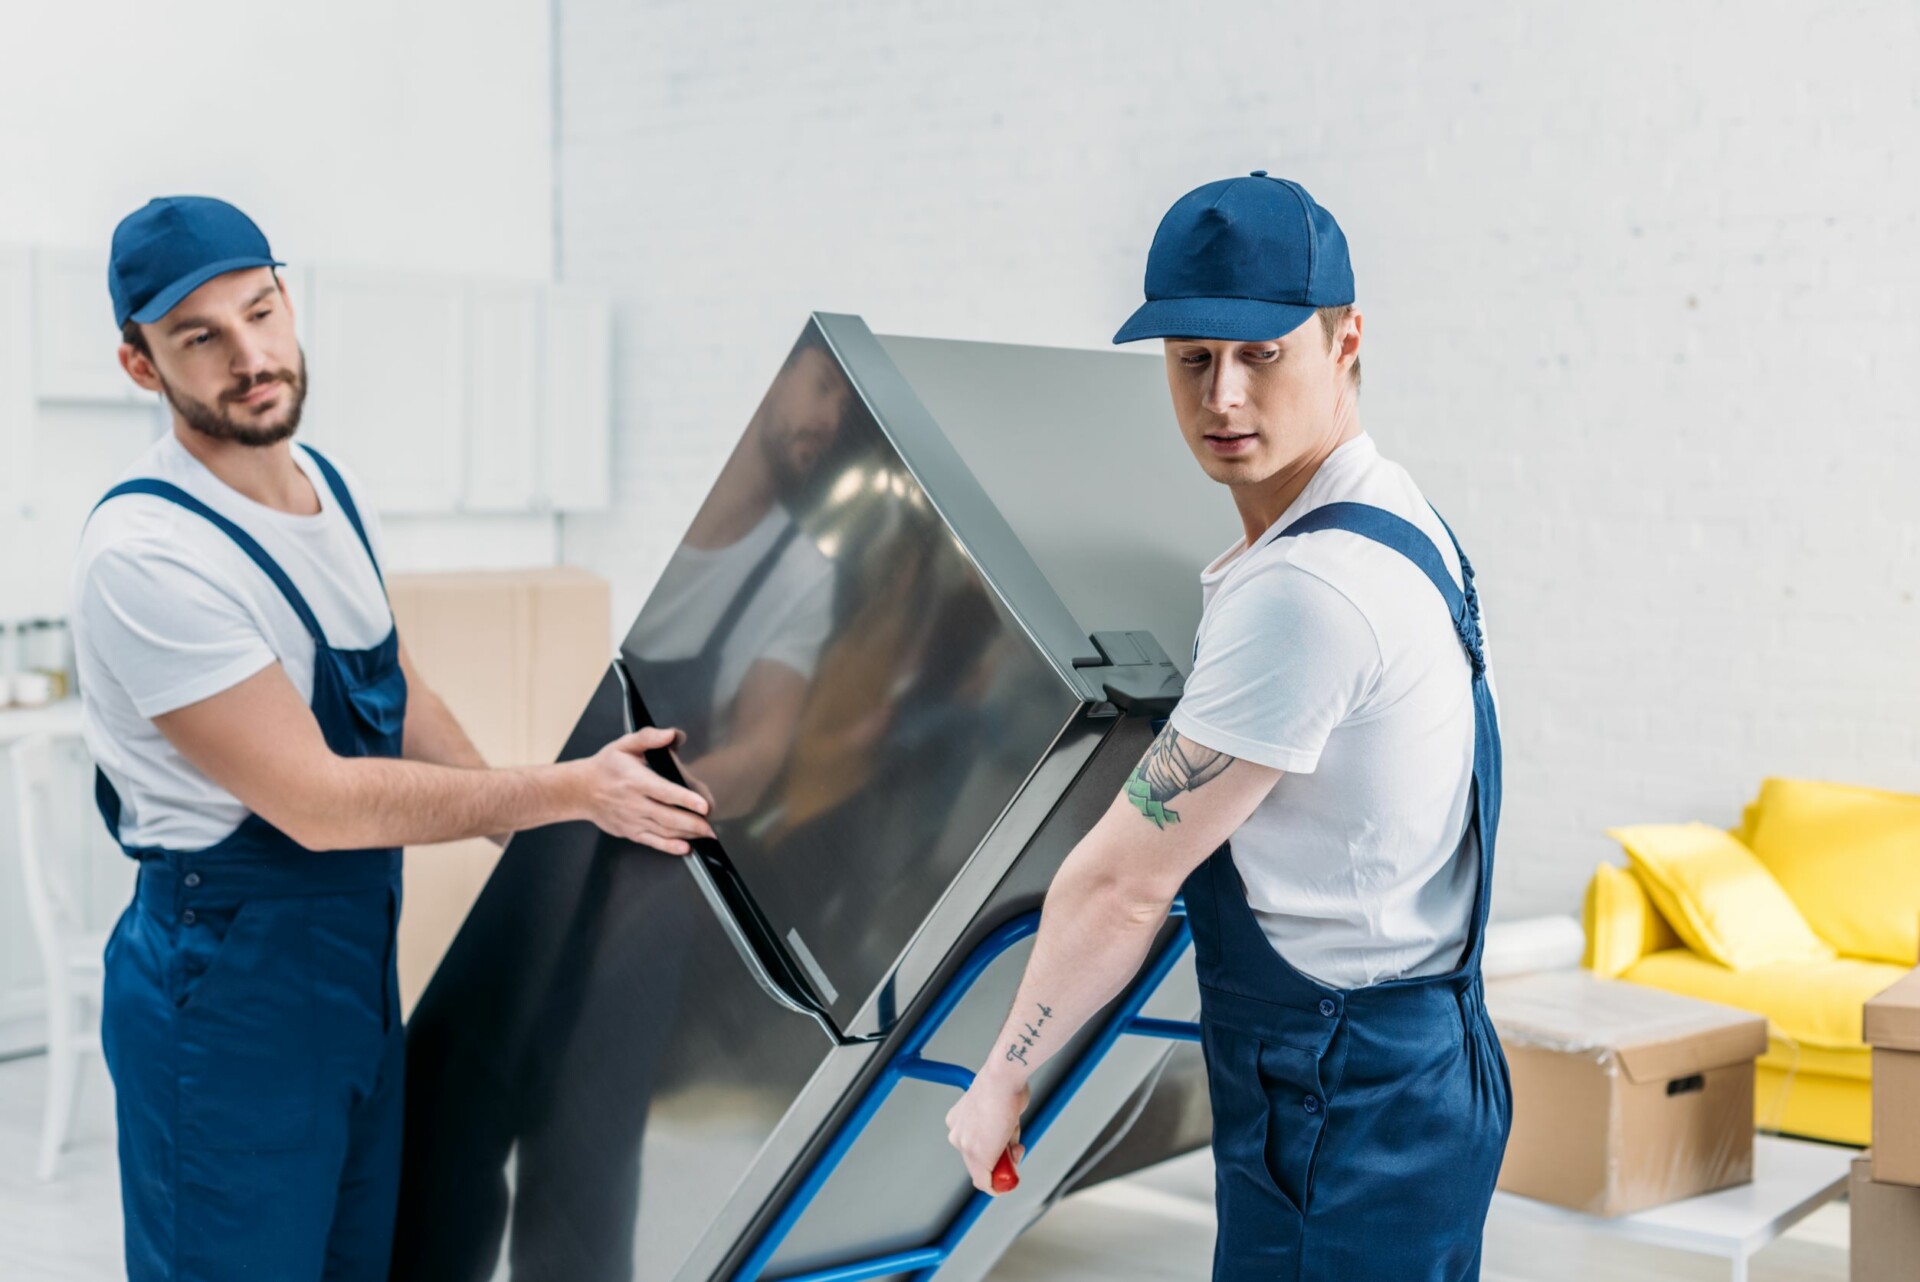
(1621, 923)
(1849, 858)
(1816, 1004)
(1719, 898)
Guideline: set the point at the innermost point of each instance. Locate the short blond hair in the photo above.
(1331, 321)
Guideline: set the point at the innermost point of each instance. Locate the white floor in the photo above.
(1156, 1225)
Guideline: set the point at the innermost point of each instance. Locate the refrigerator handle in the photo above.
(661, 761)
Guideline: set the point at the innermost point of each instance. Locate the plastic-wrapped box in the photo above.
(1624, 1097)
(1892, 1028)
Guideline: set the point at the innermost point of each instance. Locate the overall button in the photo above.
(188, 917)
(191, 880)
(1311, 1104)
(1327, 1007)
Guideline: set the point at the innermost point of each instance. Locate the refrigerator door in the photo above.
(859, 696)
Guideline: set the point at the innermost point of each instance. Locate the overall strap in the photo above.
(271, 568)
(1404, 537)
(749, 589)
(340, 492)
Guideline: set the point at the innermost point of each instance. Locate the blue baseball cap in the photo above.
(172, 246)
(1242, 260)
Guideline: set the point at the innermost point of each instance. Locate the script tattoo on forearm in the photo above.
(1172, 766)
(1024, 1040)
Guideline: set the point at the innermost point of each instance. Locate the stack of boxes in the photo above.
(1885, 1191)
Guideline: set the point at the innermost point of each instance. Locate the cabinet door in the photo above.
(76, 351)
(576, 400)
(503, 398)
(387, 384)
(16, 378)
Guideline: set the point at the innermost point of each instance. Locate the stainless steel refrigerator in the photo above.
(917, 636)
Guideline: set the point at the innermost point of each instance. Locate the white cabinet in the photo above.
(75, 347)
(576, 403)
(448, 396)
(443, 394)
(16, 377)
(503, 399)
(388, 383)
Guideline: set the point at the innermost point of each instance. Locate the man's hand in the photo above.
(259, 741)
(986, 1123)
(626, 798)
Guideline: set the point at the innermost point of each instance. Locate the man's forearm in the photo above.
(1093, 936)
(375, 802)
(434, 735)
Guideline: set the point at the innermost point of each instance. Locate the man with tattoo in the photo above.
(1324, 799)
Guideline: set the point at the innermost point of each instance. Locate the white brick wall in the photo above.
(1641, 284)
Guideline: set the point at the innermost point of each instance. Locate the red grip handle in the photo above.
(1005, 1178)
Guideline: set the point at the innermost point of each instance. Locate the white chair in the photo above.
(70, 954)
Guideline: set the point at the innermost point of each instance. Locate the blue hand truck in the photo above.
(907, 1062)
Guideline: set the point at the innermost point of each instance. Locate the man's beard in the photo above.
(791, 476)
(216, 423)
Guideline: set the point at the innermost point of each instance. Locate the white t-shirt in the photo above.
(1333, 658)
(168, 610)
(786, 622)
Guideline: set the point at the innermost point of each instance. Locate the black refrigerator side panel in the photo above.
(592, 1068)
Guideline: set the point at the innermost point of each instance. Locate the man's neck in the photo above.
(266, 474)
(1262, 504)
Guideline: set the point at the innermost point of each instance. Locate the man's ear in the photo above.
(139, 367)
(1349, 341)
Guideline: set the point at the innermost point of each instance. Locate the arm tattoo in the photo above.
(1173, 765)
(1025, 1037)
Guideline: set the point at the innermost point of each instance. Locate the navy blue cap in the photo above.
(172, 246)
(1242, 260)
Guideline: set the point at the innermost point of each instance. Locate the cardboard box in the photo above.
(515, 655)
(1624, 1096)
(1884, 1227)
(1892, 1028)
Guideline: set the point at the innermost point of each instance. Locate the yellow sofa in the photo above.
(1848, 862)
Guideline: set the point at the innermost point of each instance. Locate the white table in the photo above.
(1791, 1180)
(59, 720)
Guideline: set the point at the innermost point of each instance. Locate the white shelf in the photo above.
(1791, 1180)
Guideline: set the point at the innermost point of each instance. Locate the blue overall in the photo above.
(252, 1020)
(1357, 1134)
